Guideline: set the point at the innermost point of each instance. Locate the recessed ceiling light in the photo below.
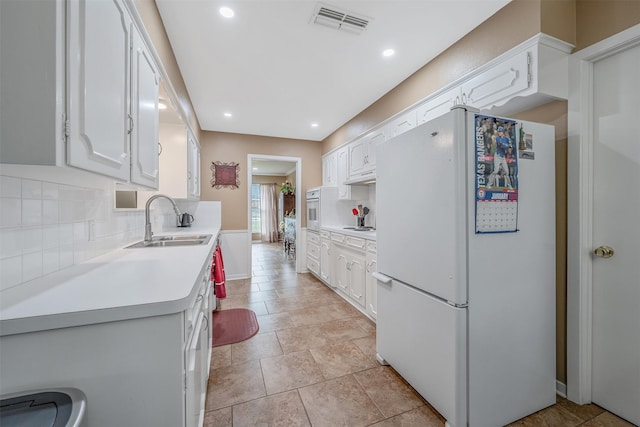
(162, 105)
(388, 52)
(228, 114)
(227, 12)
(255, 169)
(314, 125)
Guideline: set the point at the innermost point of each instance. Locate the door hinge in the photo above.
(66, 128)
(529, 78)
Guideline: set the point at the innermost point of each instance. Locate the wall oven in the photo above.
(313, 210)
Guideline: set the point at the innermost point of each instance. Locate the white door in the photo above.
(98, 87)
(616, 209)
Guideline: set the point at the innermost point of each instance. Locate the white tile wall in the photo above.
(44, 227)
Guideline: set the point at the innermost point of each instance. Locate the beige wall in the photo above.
(153, 24)
(599, 19)
(230, 147)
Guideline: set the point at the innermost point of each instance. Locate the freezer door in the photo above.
(421, 207)
(424, 339)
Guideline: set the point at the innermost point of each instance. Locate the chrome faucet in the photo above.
(147, 222)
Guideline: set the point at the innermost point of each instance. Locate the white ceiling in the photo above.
(278, 73)
(272, 167)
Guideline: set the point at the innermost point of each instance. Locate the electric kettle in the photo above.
(185, 220)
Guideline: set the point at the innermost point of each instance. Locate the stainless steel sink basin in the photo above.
(170, 241)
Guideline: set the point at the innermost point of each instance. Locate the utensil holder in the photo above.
(360, 221)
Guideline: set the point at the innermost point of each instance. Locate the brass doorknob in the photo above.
(603, 251)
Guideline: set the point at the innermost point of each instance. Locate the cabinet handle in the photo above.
(200, 297)
(206, 323)
(159, 149)
(130, 124)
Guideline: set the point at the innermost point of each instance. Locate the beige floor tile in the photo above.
(607, 419)
(274, 322)
(342, 330)
(341, 359)
(220, 418)
(240, 288)
(419, 417)
(312, 315)
(366, 324)
(256, 347)
(389, 392)
(367, 345)
(302, 338)
(339, 402)
(293, 370)
(220, 356)
(283, 409)
(234, 384)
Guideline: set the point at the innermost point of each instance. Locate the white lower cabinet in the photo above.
(325, 261)
(146, 371)
(348, 267)
(313, 252)
(371, 283)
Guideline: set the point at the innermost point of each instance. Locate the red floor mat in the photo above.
(233, 325)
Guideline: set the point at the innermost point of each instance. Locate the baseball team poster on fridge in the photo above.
(496, 175)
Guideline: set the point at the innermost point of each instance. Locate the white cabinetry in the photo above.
(362, 156)
(349, 267)
(344, 191)
(371, 282)
(313, 252)
(103, 100)
(402, 123)
(330, 169)
(145, 83)
(325, 257)
(193, 167)
(179, 162)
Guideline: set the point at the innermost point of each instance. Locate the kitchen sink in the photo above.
(171, 241)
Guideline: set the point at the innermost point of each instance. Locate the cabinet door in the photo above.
(402, 123)
(358, 152)
(99, 34)
(193, 167)
(438, 106)
(376, 138)
(372, 286)
(356, 270)
(330, 170)
(344, 191)
(145, 84)
(498, 84)
(340, 271)
(325, 261)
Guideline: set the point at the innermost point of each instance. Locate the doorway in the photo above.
(603, 338)
(264, 169)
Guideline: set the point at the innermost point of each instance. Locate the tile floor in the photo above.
(313, 363)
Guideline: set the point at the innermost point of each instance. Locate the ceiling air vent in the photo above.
(339, 19)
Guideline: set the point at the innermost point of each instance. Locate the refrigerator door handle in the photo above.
(381, 278)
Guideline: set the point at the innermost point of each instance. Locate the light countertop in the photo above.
(367, 235)
(123, 284)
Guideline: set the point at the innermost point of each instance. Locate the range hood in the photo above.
(369, 178)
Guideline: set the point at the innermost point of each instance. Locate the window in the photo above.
(255, 208)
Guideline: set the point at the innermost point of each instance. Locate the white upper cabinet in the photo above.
(145, 85)
(179, 162)
(81, 71)
(437, 106)
(193, 167)
(344, 191)
(362, 155)
(330, 169)
(402, 123)
(98, 90)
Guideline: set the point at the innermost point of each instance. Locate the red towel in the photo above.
(217, 274)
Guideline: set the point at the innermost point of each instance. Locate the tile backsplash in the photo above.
(47, 226)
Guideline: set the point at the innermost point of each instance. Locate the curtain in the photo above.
(269, 213)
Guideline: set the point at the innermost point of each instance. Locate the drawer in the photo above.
(339, 238)
(313, 250)
(324, 234)
(355, 242)
(372, 247)
(313, 265)
(313, 238)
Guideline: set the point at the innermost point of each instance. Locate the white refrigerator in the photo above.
(466, 265)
